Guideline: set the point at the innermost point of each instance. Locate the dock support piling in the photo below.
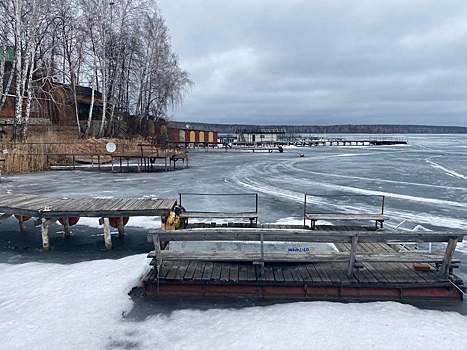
(66, 226)
(45, 233)
(121, 227)
(107, 236)
(21, 222)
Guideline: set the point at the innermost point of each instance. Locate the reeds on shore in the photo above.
(51, 148)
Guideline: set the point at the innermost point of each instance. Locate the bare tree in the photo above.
(120, 48)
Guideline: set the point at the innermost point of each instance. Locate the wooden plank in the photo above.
(278, 275)
(297, 277)
(341, 271)
(331, 273)
(216, 271)
(208, 268)
(311, 268)
(233, 276)
(288, 278)
(252, 256)
(182, 268)
(251, 273)
(242, 273)
(225, 272)
(190, 271)
(304, 273)
(448, 256)
(173, 271)
(199, 270)
(166, 270)
(320, 268)
(269, 274)
(251, 234)
(217, 215)
(403, 257)
(311, 216)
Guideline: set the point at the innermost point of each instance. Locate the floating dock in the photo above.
(111, 211)
(256, 261)
(397, 277)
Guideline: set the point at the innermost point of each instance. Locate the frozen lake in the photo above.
(76, 296)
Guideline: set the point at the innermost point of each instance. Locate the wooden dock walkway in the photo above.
(50, 209)
(397, 277)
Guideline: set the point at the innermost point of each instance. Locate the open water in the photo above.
(423, 183)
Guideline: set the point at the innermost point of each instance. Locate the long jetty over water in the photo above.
(47, 210)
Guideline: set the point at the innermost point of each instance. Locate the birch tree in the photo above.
(5, 44)
(119, 48)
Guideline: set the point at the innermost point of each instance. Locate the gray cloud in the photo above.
(322, 62)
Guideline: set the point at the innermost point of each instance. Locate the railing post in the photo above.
(448, 255)
(382, 205)
(304, 212)
(353, 253)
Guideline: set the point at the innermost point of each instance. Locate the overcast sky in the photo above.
(322, 62)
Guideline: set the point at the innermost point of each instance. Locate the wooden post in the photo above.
(107, 236)
(157, 251)
(448, 255)
(45, 233)
(121, 229)
(353, 253)
(21, 222)
(66, 226)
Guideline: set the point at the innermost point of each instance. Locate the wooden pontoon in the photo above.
(368, 263)
(50, 209)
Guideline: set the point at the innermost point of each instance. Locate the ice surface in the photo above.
(83, 306)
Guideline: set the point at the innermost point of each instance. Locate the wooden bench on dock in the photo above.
(252, 216)
(378, 218)
(354, 258)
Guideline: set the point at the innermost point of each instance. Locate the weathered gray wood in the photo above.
(66, 226)
(448, 257)
(353, 253)
(308, 257)
(121, 230)
(107, 236)
(32, 205)
(158, 256)
(212, 215)
(315, 217)
(45, 233)
(297, 235)
(250, 256)
(225, 272)
(233, 276)
(378, 218)
(21, 222)
(216, 272)
(190, 271)
(181, 270)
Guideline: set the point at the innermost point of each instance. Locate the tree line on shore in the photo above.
(327, 129)
(120, 48)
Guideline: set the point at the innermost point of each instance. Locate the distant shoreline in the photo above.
(328, 129)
